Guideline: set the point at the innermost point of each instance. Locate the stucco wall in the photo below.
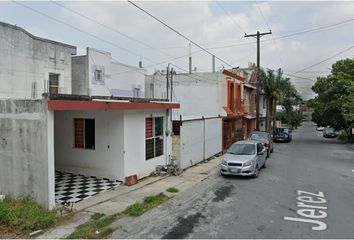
(195, 135)
(107, 158)
(25, 160)
(118, 79)
(134, 145)
(119, 144)
(26, 59)
(80, 75)
(199, 95)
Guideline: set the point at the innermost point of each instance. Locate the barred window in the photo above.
(153, 137)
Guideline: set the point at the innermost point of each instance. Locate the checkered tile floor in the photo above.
(72, 188)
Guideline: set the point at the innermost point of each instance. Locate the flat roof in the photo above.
(68, 102)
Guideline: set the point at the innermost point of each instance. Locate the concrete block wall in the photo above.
(24, 165)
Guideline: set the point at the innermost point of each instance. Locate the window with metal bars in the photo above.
(153, 137)
(84, 133)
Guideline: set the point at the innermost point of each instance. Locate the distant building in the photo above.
(98, 74)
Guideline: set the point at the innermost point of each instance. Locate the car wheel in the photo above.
(256, 172)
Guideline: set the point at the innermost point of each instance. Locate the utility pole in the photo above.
(167, 80)
(258, 35)
(172, 72)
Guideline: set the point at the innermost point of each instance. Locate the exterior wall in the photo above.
(26, 157)
(79, 75)
(119, 144)
(27, 60)
(134, 143)
(197, 97)
(199, 140)
(118, 79)
(107, 158)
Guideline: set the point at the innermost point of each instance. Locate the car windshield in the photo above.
(242, 149)
(257, 136)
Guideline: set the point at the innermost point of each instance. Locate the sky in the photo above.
(307, 37)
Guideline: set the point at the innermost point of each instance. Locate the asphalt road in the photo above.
(237, 207)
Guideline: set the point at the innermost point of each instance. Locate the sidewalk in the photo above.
(116, 201)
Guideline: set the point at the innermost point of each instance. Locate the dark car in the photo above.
(329, 132)
(264, 138)
(282, 135)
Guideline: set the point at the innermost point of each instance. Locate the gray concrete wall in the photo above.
(80, 76)
(24, 154)
(27, 60)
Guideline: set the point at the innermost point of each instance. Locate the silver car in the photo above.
(244, 158)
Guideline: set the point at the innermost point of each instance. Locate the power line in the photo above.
(326, 59)
(116, 31)
(177, 32)
(82, 31)
(260, 11)
(232, 19)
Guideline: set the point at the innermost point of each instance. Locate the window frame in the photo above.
(84, 134)
(98, 74)
(154, 137)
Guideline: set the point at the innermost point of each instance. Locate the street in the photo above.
(310, 171)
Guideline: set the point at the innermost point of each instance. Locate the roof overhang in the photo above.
(82, 105)
(233, 75)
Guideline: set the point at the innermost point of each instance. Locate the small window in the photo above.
(84, 133)
(153, 137)
(98, 75)
(136, 92)
(259, 147)
(53, 83)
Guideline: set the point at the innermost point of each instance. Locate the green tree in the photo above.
(334, 103)
(279, 90)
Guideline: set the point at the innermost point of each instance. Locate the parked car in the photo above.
(329, 132)
(319, 128)
(244, 158)
(265, 138)
(282, 135)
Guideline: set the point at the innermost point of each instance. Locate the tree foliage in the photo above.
(334, 103)
(279, 89)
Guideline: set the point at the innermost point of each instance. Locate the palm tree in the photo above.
(277, 89)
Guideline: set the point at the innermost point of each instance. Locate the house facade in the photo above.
(119, 136)
(233, 104)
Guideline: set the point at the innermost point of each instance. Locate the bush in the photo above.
(149, 202)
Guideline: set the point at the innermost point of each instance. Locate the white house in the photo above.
(98, 74)
(31, 66)
(93, 133)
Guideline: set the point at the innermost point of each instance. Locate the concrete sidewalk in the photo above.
(117, 200)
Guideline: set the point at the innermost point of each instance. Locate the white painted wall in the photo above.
(192, 140)
(197, 98)
(118, 79)
(122, 131)
(26, 59)
(134, 144)
(106, 160)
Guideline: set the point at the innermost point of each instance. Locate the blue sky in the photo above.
(204, 22)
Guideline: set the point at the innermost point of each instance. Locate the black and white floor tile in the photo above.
(72, 188)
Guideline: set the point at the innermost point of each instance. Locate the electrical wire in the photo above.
(180, 34)
(326, 59)
(232, 19)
